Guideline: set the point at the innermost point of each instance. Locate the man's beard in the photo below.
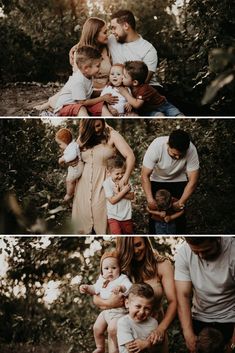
(122, 39)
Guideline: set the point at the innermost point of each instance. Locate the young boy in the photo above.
(119, 210)
(115, 80)
(210, 340)
(145, 98)
(165, 214)
(71, 151)
(110, 281)
(74, 98)
(134, 328)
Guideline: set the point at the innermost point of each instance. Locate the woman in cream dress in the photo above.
(98, 142)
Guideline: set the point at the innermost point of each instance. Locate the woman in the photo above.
(98, 142)
(141, 263)
(94, 33)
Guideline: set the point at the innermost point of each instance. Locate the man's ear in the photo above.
(126, 26)
(135, 83)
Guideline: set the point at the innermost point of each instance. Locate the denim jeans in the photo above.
(167, 109)
(165, 228)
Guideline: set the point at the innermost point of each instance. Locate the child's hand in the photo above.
(128, 107)
(108, 98)
(122, 90)
(167, 219)
(116, 189)
(126, 188)
(83, 288)
(162, 214)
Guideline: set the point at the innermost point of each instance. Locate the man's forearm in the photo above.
(146, 184)
(188, 191)
(185, 315)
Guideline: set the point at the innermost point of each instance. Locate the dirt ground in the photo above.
(18, 99)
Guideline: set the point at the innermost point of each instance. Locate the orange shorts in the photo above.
(73, 109)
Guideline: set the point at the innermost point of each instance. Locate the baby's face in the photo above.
(139, 308)
(62, 145)
(110, 268)
(116, 76)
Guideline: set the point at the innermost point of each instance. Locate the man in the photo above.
(126, 44)
(171, 163)
(206, 267)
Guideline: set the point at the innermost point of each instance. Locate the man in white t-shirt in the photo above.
(125, 44)
(171, 163)
(205, 267)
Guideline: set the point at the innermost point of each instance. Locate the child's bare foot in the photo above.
(99, 350)
(43, 106)
(67, 197)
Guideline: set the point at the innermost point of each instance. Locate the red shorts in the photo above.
(73, 109)
(120, 227)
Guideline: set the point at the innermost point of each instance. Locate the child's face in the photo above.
(127, 80)
(116, 75)
(110, 268)
(117, 174)
(139, 308)
(62, 145)
(92, 69)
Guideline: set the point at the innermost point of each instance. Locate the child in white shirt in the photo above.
(110, 281)
(71, 152)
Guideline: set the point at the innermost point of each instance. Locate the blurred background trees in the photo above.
(195, 42)
(41, 309)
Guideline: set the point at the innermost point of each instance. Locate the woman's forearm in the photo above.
(169, 315)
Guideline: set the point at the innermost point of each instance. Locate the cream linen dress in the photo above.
(89, 203)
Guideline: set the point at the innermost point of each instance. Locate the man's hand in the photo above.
(152, 204)
(108, 98)
(177, 206)
(190, 340)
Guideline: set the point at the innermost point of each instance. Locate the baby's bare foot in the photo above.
(99, 350)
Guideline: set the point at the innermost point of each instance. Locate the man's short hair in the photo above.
(210, 340)
(123, 16)
(86, 54)
(179, 140)
(138, 70)
(116, 162)
(143, 290)
(201, 240)
(163, 198)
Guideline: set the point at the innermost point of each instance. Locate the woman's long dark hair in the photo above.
(87, 135)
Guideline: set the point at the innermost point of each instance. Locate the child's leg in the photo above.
(99, 328)
(83, 112)
(70, 187)
(105, 111)
(112, 331)
(114, 226)
(43, 106)
(51, 102)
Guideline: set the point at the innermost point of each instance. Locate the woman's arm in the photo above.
(115, 301)
(166, 274)
(122, 146)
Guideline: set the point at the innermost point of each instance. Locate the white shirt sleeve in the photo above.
(192, 159)
(182, 272)
(151, 156)
(151, 59)
(78, 91)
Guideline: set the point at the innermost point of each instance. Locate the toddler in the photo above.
(144, 97)
(134, 329)
(115, 80)
(110, 281)
(71, 152)
(165, 214)
(210, 340)
(118, 200)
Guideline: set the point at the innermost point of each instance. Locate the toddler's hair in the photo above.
(210, 340)
(118, 65)
(64, 135)
(143, 290)
(116, 162)
(163, 198)
(138, 70)
(86, 54)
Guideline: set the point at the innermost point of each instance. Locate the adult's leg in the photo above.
(99, 328)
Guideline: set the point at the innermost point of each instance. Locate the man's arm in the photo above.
(146, 185)
(189, 188)
(184, 294)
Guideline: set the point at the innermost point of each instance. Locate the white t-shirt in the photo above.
(122, 210)
(121, 100)
(213, 282)
(128, 330)
(165, 168)
(78, 87)
(106, 292)
(139, 49)
(71, 152)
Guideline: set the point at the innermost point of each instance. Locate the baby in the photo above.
(134, 329)
(115, 80)
(110, 281)
(165, 214)
(71, 152)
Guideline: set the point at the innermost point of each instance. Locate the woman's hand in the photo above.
(157, 336)
(108, 98)
(73, 163)
(137, 345)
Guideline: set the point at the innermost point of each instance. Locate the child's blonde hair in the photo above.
(116, 162)
(86, 55)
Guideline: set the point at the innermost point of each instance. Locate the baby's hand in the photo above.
(167, 219)
(83, 288)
